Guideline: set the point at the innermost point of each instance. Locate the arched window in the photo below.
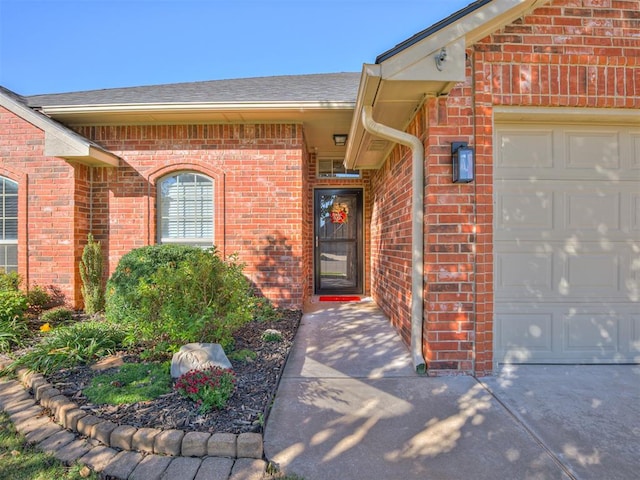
(8, 225)
(185, 209)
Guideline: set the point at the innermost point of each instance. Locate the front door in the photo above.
(338, 241)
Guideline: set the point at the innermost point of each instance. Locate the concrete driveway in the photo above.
(349, 406)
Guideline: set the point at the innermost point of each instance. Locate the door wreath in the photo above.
(339, 213)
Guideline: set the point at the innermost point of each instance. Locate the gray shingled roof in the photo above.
(330, 87)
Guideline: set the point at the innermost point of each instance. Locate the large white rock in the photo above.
(198, 356)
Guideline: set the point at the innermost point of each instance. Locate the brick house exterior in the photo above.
(508, 65)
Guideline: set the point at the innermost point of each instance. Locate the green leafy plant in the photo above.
(132, 383)
(38, 299)
(72, 345)
(168, 295)
(264, 310)
(91, 273)
(210, 388)
(271, 335)
(244, 355)
(9, 280)
(57, 315)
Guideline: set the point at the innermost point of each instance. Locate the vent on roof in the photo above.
(377, 145)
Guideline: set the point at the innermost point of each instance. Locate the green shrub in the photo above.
(57, 315)
(72, 345)
(209, 388)
(132, 383)
(38, 299)
(168, 295)
(91, 270)
(10, 281)
(13, 305)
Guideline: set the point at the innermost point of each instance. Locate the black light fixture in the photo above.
(340, 139)
(462, 157)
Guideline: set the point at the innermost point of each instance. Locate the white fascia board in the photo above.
(194, 107)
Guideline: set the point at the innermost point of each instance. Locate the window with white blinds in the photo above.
(185, 209)
(8, 225)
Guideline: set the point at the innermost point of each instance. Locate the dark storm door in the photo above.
(338, 258)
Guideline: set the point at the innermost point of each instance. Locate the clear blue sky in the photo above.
(51, 46)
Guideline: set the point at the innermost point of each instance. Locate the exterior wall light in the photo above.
(462, 157)
(340, 139)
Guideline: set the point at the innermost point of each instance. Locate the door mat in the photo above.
(338, 298)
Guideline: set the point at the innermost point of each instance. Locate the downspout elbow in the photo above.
(417, 229)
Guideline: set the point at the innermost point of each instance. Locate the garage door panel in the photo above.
(634, 156)
(591, 332)
(595, 274)
(592, 150)
(529, 149)
(524, 334)
(635, 212)
(513, 282)
(567, 244)
(525, 207)
(594, 208)
(634, 337)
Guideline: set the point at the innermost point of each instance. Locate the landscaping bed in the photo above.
(245, 411)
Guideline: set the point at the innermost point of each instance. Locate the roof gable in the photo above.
(59, 141)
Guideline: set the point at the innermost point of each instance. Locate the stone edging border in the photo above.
(144, 440)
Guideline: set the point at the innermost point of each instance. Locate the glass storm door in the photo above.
(338, 241)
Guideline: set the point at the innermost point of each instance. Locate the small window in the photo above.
(185, 209)
(334, 168)
(8, 225)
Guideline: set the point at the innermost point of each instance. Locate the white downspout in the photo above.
(417, 230)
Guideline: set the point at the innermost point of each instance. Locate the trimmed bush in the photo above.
(169, 295)
(13, 306)
(91, 269)
(57, 315)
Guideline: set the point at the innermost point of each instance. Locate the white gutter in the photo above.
(417, 229)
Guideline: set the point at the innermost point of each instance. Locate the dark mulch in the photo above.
(245, 411)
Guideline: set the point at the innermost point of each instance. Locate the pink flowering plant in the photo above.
(210, 388)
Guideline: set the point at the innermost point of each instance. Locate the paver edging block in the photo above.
(168, 442)
(64, 409)
(248, 469)
(122, 464)
(71, 417)
(250, 445)
(143, 439)
(122, 436)
(222, 445)
(98, 457)
(102, 432)
(46, 392)
(86, 424)
(194, 444)
(56, 403)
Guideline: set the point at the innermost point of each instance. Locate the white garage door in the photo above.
(567, 244)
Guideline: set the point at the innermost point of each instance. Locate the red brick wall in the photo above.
(570, 53)
(258, 174)
(47, 252)
(391, 259)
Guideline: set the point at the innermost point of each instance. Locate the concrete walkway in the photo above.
(349, 406)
